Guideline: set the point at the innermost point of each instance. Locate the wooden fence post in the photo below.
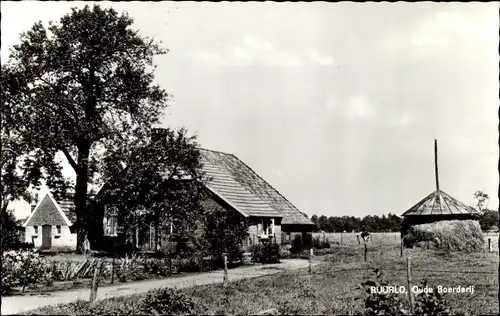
(401, 246)
(311, 253)
(365, 251)
(95, 281)
(170, 265)
(225, 280)
(408, 276)
(489, 245)
(113, 263)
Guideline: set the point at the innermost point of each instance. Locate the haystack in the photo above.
(453, 235)
(440, 221)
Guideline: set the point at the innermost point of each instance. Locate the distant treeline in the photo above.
(390, 223)
(371, 223)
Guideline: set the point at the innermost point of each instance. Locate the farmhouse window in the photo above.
(268, 227)
(58, 227)
(36, 229)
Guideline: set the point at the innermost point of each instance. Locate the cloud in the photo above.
(322, 60)
(280, 58)
(331, 102)
(443, 29)
(208, 58)
(359, 108)
(257, 43)
(402, 120)
(252, 50)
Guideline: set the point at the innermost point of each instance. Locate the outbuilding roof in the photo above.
(47, 212)
(439, 203)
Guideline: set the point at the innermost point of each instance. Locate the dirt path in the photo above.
(17, 304)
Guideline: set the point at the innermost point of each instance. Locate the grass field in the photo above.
(349, 239)
(332, 287)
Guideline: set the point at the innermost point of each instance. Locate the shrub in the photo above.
(22, 246)
(431, 303)
(266, 253)
(381, 303)
(316, 243)
(307, 241)
(426, 303)
(23, 268)
(156, 266)
(301, 243)
(167, 302)
(129, 270)
(284, 253)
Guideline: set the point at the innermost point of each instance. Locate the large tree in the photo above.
(84, 85)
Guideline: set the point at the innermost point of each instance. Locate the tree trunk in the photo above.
(81, 211)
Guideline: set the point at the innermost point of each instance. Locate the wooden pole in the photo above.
(365, 251)
(436, 163)
(113, 263)
(401, 246)
(225, 280)
(489, 245)
(311, 253)
(95, 281)
(169, 265)
(359, 241)
(408, 276)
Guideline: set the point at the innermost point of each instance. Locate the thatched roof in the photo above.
(440, 203)
(242, 188)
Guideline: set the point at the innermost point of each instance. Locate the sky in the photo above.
(336, 105)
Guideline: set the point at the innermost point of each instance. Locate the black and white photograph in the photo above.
(249, 158)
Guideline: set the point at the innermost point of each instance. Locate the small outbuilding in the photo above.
(49, 225)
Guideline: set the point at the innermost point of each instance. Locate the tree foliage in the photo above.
(160, 180)
(81, 86)
(9, 234)
(372, 223)
(488, 219)
(481, 198)
(223, 232)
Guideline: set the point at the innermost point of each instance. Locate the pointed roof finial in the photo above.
(436, 164)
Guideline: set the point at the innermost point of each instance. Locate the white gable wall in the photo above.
(63, 240)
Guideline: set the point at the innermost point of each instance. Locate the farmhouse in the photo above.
(441, 221)
(49, 225)
(236, 188)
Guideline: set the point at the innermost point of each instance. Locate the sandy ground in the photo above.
(17, 304)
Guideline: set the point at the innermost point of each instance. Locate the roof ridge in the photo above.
(215, 151)
(272, 187)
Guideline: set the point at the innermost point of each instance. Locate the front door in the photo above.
(46, 236)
